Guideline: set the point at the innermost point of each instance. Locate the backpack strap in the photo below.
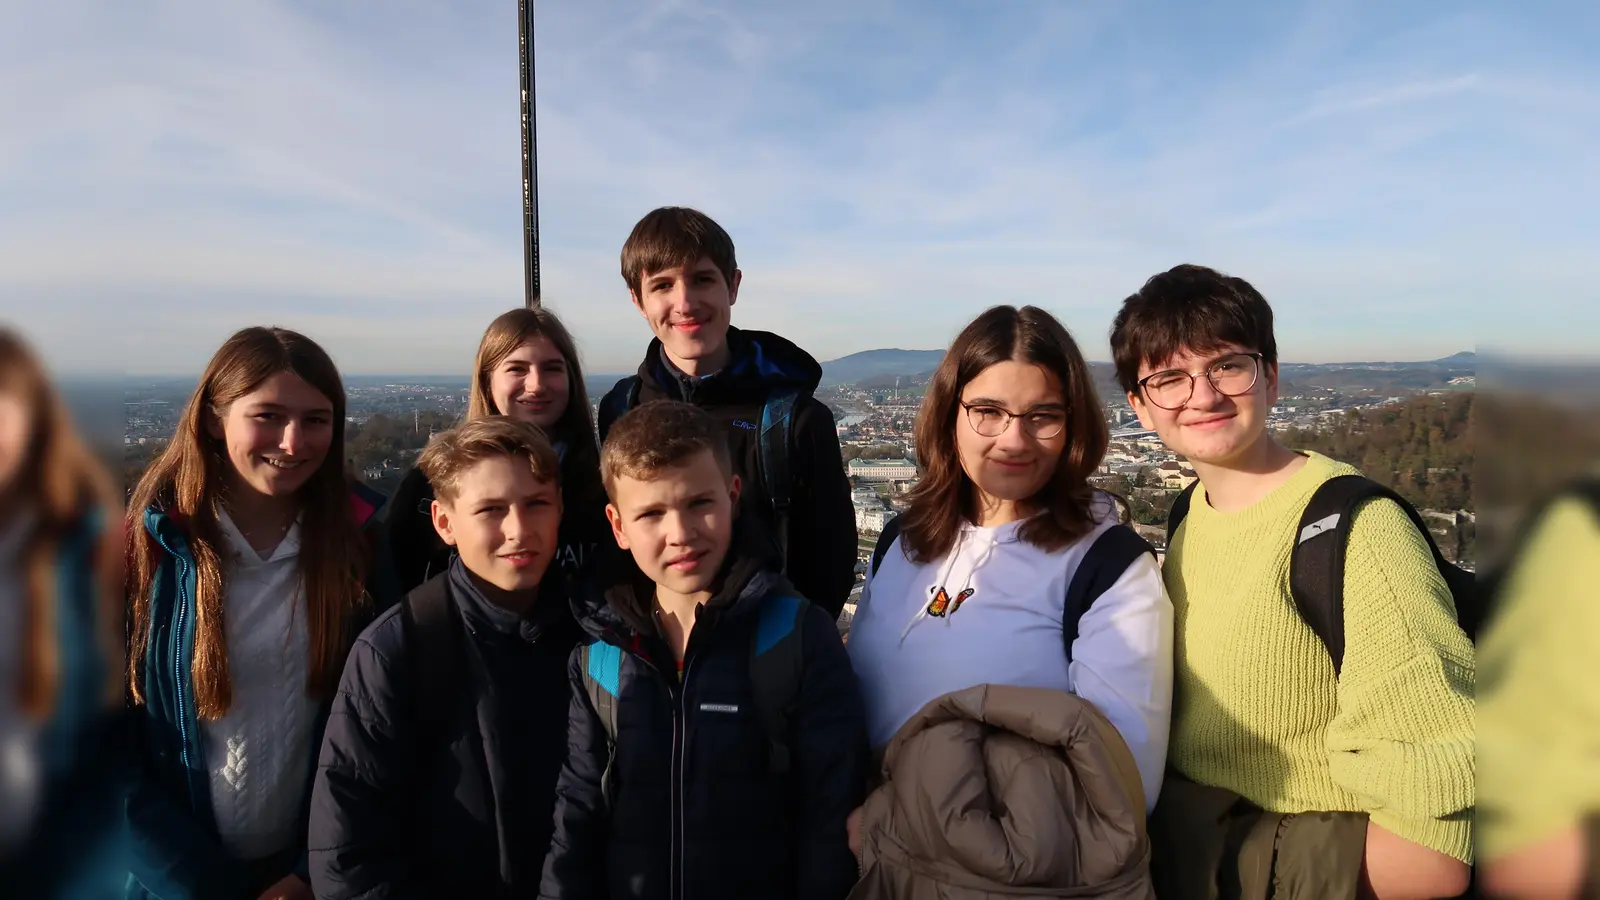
(886, 539)
(777, 416)
(1316, 566)
(776, 665)
(601, 664)
(432, 629)
(1103, 563)
(1180, 508)
(623, 396)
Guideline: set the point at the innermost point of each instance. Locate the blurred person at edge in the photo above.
(61, 783)
(251, 573)
(1539, 709)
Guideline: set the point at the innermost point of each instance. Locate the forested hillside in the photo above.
(1421, 447)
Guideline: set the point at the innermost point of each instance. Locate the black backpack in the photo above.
(777, 421)
(1107, 558)
(1316, 565)
(776, 664)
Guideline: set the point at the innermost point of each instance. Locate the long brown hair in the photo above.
(945, 495)
(62, 482)
(510, 331)
(186, 482)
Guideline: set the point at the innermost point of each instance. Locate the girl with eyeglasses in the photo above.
(972, 590)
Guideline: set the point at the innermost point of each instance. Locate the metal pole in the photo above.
(530, 167)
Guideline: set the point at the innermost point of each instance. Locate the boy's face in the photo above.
(688, 309)
(1211, 427)
(679, 523)
(503, 522)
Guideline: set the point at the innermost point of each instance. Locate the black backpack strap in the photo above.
(1316, 567)
(776, 665)
(1180, 508)
(1103, 563)
(601, 664)
(777, 416)
(623, 396)
(432, 630)
(886, 538)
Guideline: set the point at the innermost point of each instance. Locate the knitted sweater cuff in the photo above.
(1452, 836)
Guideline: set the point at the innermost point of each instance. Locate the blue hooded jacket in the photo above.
(176, 853)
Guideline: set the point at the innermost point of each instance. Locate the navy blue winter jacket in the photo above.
(453, 801)
(697, 813)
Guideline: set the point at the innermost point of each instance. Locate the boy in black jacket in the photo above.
(442, 748)
(681, 273)
(695, 770)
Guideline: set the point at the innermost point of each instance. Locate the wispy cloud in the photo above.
(1395, 182)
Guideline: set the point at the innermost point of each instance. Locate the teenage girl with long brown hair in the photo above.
(60, 645)
(249, 578)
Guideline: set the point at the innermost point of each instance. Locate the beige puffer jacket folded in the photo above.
(1006, 792)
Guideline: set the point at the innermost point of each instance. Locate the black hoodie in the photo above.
(695, 811)
(822, 523)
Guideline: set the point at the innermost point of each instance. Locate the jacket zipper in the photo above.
(177, 677)
(680, 728)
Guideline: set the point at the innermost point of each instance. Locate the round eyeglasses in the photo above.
(1233, 375)
(992, 421)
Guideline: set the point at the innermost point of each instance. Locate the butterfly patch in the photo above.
(941, 605)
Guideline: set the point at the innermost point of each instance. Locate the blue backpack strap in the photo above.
(602, 680)
(777, 417)
(776, 666)
(623, 396)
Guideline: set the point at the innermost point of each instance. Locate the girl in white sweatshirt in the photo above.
(972, 590)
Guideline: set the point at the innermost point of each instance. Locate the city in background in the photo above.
(1403, 424)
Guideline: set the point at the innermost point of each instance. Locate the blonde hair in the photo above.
(451, 453)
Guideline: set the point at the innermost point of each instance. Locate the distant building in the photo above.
(882, 469)
(873, 520)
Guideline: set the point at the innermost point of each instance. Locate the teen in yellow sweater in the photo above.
(1539, 718)
(1257, 708)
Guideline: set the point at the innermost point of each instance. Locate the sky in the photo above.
(1402, 181)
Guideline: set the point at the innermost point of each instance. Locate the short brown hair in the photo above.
(1189, 307)
(658, 435)
(675, 236)
(945, 495)
(453, 452)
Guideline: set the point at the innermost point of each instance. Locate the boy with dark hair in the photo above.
(440, 758)
(681, 272)
(1363, 713)
(717, 737)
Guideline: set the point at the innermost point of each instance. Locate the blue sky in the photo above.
(1400, 180)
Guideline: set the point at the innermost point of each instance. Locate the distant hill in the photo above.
(868, 363)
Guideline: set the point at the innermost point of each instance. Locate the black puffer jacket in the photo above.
(822, 521)
(697, 815)
(585, 536)
(465, 811)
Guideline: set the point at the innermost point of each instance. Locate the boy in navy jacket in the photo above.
(699, 794)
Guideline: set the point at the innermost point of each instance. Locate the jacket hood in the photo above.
(621, 608)
(758, 362)
(1057, 809)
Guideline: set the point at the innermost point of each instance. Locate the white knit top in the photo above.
(259, 755)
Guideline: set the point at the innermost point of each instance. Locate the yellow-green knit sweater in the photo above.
(1256, 706)
(1539, 716)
